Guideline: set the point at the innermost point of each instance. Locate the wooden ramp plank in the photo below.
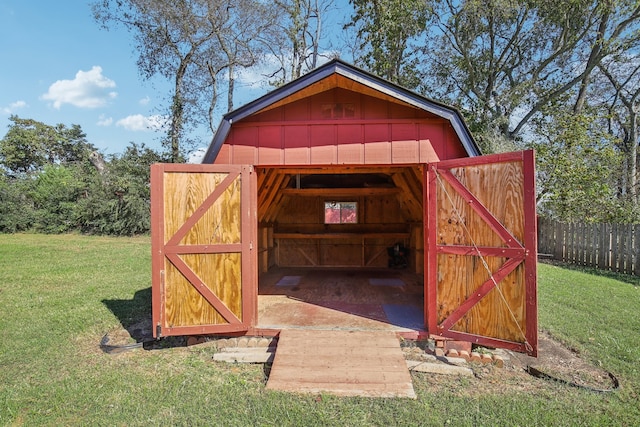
(343, 363)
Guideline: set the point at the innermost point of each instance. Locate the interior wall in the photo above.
(296, 235)
(338, 245)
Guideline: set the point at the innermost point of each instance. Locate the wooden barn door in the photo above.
(203, 222)
(481, 258)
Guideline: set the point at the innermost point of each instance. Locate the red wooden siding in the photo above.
(340, 126)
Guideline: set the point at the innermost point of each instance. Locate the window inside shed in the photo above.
(340, 212)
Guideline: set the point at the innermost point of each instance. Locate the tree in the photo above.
(613, 32)
(296, 39)
(385, 29)
(237, 27)
(623, 77)
(577, 165)
(190, 42)
(16, 208)
(54, 195)
(29, 145)
(504, 61)
(117, 202)
(52, 180)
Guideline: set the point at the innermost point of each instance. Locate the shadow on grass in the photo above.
(135, 317)
(131, 311)
(626, 278)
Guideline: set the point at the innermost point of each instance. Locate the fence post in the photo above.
(557, 250)
(636, 249)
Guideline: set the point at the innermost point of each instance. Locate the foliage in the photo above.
(577, 165)
(61, 186)
(54, 195)
(195, 44)
(504, 61)
(16, 209)
(384, 30)
(118, 202)
(29, 145)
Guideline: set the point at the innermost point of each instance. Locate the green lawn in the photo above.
(60, 294)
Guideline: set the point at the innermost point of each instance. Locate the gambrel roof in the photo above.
(338, 73)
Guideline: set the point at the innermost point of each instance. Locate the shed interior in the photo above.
(341, 246)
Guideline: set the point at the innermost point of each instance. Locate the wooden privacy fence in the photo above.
(614, 247)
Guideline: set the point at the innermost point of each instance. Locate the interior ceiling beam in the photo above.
(337, 192)
(333, 170)
(268, 193)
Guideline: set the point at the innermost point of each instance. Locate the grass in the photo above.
(60, 294)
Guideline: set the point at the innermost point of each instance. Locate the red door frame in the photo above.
(168, 248)
(525, 252)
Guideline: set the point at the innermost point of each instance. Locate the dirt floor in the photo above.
(347, 299)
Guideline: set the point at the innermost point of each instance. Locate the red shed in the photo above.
(341, 200)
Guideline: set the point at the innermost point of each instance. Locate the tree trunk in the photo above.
(633, 156)
(232, 81)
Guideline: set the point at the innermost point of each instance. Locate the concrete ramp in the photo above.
(343, 363)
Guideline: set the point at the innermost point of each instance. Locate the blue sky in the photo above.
(59, 66)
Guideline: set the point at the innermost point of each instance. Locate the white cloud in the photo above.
(140, 123)
(89, 89)
(196, 156)
(144, 101)
(11, 109)
(104, 121)
(254, 77)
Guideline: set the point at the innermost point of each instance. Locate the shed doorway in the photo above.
(341, 248)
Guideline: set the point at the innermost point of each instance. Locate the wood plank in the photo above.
(605, 241)
(343, 363)
(628, 249)
(341, 235)
(615, 245)
(558, 252)
(366, 191)
(267, 186)
(412, 201)
(636, 250)
(331, 170)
